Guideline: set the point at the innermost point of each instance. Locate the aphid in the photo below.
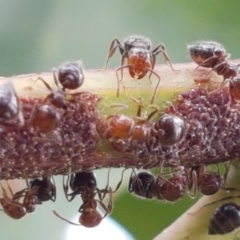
(146, 185)
(44, 118)
(213, 55)
(169, 129)
(207, 182)
(85, 185)
(9, 104)
(140, 58)
(225, 219)
(36, 193)
(70, 75)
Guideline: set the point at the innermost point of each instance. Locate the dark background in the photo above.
(36, 36)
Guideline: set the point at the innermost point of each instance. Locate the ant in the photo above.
(140, 58)
(207, 182)
(85, 185)
(213, 55)
(169, 129)
(38, 192)
(9, 104)
(144, 184)
(225, 219)
(70, 76)
(44, 118)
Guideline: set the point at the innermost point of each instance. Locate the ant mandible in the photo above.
(85, 185)
(37, 192)
(70, 76)
(140, 59)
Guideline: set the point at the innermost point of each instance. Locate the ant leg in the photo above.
(55, 72)
(122, 107)
(112, 50)
(194, 184)
(53, 198)
(65, 189)
(108, 209)
(160, 48)
(157, 85)
(45, 83)
(64, 219)
(119, 80)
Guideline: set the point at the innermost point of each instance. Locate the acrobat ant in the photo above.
(70, 76)
(144, 184)
(85, 185)
(213, 55)
(36, 193)
(140, 59)
(169, 129)
(225, 219)
(9, 104)
(44, 118)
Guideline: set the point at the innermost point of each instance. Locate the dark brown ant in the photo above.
(70, 76)
(213, 55)
(36, 193)
(225, 219)
(44, 118)
(85, 185)
(169, 129)
(9, 104)
(140, 58)
(146, 185)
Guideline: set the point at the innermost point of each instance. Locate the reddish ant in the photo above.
(85, 185)
(225, 219)
(9, 104)
(70, 75)
(36, 193)
(140, 58)
(234, 88)
(144, 184)
(207, 182)
(213, 55)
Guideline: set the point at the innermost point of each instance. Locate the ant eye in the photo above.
(9, 103)
(170, 129)
(70, 75)
(225, 219)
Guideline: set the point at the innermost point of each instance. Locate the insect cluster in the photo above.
(64, 131)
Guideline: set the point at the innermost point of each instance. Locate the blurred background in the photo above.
(36, 36)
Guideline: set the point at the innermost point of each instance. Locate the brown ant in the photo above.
(144, 184)
(36, 193)
(140, 58)
(70, 76)
(85, 185)
(225, 219)
(213, 55)
(234, 88)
